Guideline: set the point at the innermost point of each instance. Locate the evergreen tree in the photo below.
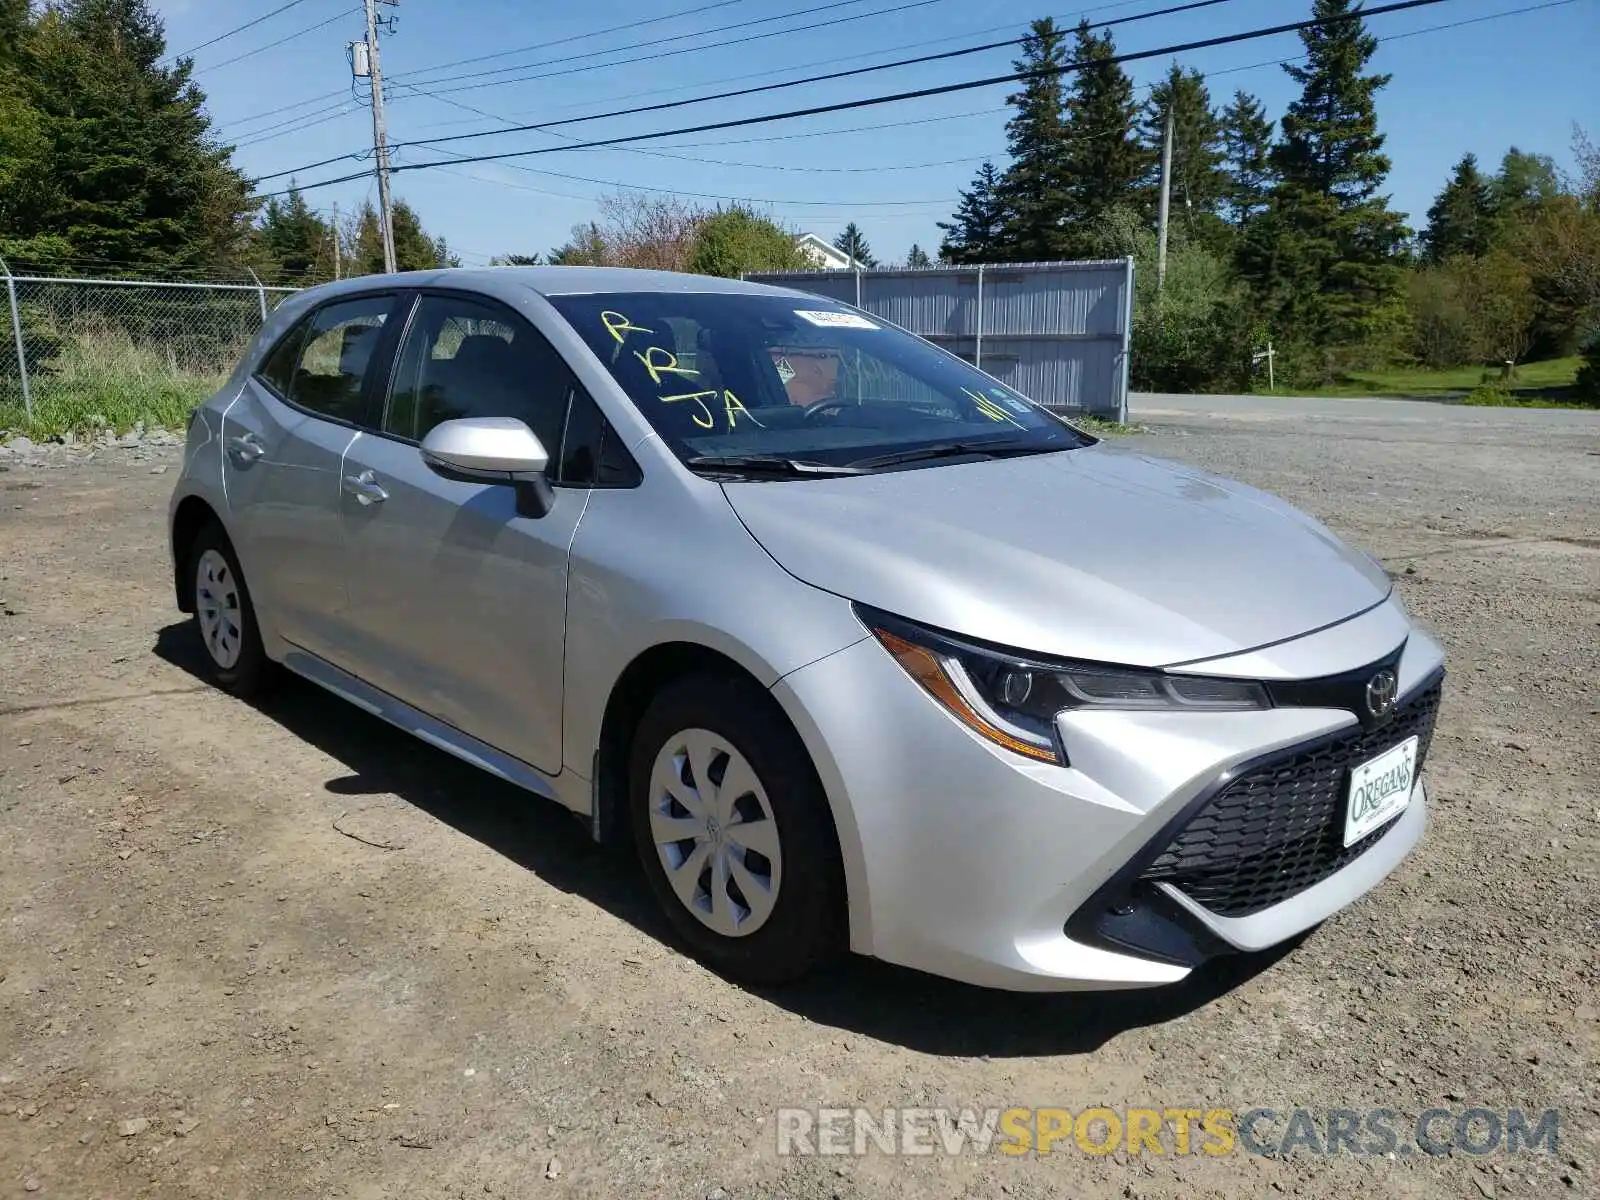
(133, 174)
(585, 248)
(854, 243)
(917, 257)
(975, 233)
(1462, 219)
(1034, 187)
(1326, 258)
(414, 250)
(1247, 152)
(296, 239)
(1103, 159)
(1199, 183)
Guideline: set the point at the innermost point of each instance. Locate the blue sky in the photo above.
(1521, 79)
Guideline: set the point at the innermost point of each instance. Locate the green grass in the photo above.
(104, 381)
(1533, 385)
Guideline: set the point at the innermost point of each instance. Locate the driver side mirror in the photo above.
(495, 450)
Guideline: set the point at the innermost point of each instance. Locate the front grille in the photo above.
(1280, 828)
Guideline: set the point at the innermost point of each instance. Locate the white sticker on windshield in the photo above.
(833, 320)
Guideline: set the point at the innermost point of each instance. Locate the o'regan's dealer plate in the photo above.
(1379, 789)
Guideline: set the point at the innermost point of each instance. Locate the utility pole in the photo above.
(338, 264)
(380, 138)
(1166, 203)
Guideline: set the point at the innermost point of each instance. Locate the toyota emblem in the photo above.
(1381, 691)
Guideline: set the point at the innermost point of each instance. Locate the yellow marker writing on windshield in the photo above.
(658, 362)
(990, 409)
(703, 418)
(734, 409)
(616, 325)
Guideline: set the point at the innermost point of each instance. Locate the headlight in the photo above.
(1013, 700)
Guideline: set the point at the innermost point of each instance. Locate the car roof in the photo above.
(556, 281)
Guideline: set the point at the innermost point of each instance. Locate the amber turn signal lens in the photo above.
(924, 666)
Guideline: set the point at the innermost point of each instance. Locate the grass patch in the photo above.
(1545, 384)
(1101, 427)
(102, 380)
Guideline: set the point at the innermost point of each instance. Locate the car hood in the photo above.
(1097, 554)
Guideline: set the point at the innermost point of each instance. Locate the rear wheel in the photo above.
(733, 830)
(225, 617)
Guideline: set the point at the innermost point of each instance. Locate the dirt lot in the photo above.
(286, 952)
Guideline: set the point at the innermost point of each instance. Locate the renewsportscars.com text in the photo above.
(1100, 1130)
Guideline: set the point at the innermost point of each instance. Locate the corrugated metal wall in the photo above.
(1056, 332)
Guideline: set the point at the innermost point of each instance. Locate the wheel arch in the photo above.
(192, 514)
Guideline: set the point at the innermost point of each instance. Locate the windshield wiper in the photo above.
(761, 464)
(950, 450)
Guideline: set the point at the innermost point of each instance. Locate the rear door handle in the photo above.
(244, 449)
(366, 488)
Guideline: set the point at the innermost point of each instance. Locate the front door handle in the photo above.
(244, 449)
(366, 488)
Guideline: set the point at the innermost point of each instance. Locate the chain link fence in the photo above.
(88, 353)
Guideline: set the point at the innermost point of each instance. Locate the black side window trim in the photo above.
(379, 409)
(381, 358)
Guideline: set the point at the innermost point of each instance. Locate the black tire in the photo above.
(808, 920)
(252, 672)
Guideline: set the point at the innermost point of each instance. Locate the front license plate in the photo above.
(1379, 789)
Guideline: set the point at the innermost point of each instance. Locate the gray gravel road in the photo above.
(284, 952)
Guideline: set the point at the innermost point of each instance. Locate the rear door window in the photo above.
(336, 350)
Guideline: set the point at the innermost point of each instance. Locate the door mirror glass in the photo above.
(485, 450)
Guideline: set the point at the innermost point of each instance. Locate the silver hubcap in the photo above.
(216, 601)
(713, 828)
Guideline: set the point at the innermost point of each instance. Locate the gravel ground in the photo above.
(286, 952)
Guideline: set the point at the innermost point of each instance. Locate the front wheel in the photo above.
(225, 617)
(733, 830)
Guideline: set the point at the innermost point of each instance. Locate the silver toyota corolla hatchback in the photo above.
(857, 645)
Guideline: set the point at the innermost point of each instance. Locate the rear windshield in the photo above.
(721, 374)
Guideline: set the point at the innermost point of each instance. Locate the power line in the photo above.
(299, 33)
(751, 91)
(578, 37)
(919, 93)
(237, 29)
(943, 55)
(680, 37)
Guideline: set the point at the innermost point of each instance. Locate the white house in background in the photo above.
(822, 253)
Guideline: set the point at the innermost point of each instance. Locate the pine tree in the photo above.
(1247, 152)
(854, 243)
(1034, 185)
(1103, 161)
(1198, 182)
(975, 233)
(1463, 218)
(1326, 258)
(135, 173)
(414, 250)
(296, 239)
(917, 257)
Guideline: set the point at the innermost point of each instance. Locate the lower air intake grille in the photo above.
(1280, 828)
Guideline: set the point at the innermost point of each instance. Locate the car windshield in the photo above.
(748, 383)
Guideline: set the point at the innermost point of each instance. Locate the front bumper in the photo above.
(970, 862)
